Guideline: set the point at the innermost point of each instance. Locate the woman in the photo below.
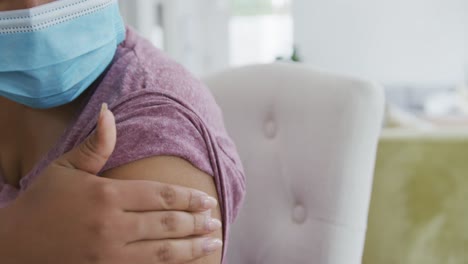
(60, 60)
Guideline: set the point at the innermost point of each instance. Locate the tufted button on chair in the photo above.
(308, 142)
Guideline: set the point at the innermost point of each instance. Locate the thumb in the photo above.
(92, 154)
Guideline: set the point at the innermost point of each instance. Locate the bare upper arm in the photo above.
(172, 170)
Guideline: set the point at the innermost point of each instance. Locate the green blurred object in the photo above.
(295, 57)
(255, 8)
(419, 207)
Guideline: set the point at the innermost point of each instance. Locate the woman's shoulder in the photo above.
(141, 68)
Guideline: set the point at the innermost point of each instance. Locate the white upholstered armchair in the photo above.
(308, 142)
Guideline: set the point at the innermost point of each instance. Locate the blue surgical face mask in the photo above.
(52, 53)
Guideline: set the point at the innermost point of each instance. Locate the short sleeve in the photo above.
(151, 124)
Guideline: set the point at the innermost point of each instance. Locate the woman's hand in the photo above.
(71, 216)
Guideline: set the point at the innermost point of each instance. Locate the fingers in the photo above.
(172, 251)
(91, 155)
(142, 196)
(170, 224)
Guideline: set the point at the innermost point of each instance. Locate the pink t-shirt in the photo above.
(160, 109)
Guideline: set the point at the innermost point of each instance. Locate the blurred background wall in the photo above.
(210, 35)
(418, 49)
(194, 32)
(398, 41)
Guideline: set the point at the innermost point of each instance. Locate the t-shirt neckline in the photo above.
(40, 164)
(25, 179)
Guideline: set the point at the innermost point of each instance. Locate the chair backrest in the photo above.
(308, 141)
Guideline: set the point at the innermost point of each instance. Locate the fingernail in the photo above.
(213, 224)
(212, 245)
(209, 203)
(104, 108)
